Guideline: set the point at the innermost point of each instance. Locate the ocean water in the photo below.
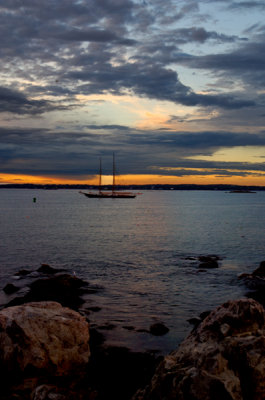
(142, 252)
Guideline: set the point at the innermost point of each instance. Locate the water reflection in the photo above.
(144, 253)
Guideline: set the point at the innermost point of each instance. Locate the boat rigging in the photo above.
(109, 195)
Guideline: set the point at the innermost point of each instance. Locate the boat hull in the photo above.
(114, 195)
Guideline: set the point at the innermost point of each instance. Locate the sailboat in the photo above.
(109, 195)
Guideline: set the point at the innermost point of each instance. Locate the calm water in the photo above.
(137, 250)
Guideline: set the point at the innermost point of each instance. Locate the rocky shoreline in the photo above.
(48, 350)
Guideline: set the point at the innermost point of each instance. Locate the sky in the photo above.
(175, 88)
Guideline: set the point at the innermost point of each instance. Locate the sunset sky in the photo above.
(175, 88)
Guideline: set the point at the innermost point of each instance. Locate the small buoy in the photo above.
(34, 199)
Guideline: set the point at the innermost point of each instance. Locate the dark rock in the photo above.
(210, 261)
(96, 338)
(93, 309)
(195, 321)
(107, 327)
(208, 258)
(260, 271)
(223, 359)
(47, 270)
(204, 314)
(116, 373)
(23, 272)
(10, 288)
(256, 283)
(65, 289)
(158, 329)
(209, 264)
(129, 328)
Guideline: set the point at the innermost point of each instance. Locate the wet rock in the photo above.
(222, 359)
(260, 271)
(65, 289)
(47, 269)
(107, 327)
(255, 282)
(94, 309)
(129, 327)
(204, 314)
(42, 338)
(209, 258)
(158, 329)
(23, 272)
(195, 321)
(10, 288)
(209, 264)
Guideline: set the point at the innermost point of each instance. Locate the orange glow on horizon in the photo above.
(148, 179)
(44, 180)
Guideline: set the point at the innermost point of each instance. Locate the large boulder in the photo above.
(42, 338)
(222, 359)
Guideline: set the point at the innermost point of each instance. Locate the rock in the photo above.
(129, 327)
(94, 309)
(10, 288)
(223, 359)
(195, 321)
(47, 392)
(107, 327)
(46, 269)
(23, 272)
(255, 282)
(65, 289)
(208, 258)
(116, 372)
(204, 314)
(158, 329)
(208, 261)
(209, 264)
(260, 271)
(42, 338)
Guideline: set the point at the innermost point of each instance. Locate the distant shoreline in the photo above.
(133, 187)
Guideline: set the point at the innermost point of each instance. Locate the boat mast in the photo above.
(113, 168)
(100, 174)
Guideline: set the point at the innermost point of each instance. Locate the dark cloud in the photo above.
(143, 152)
(246, 62)
(53, 51)
(16, 102)
(152, 81)
(82, 42)
(238, 5)
(200, 35)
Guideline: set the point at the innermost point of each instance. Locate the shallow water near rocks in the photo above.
(143, 252)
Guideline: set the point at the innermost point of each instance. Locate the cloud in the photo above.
(56, 54)
(200, 35)
(13, 101)
(239, 5)
(247, 62)
(82, 44)
(139, 152)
